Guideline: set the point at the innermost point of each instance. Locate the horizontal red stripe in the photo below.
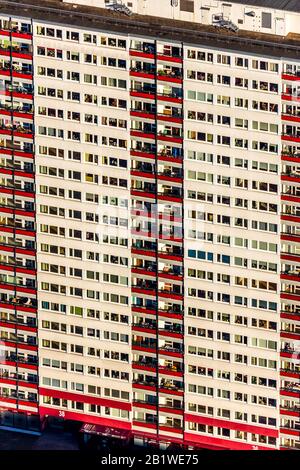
(144, 425)
(85, 399)
(223, 444)
(13, 344)
(231, 425)
(170, 429)
(71, 415)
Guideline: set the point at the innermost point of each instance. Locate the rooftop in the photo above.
(288, 5)
(57, 12)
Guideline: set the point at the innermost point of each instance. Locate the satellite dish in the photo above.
(119, 7)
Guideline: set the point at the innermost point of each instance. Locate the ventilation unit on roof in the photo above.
(220, 22)
(119, 7)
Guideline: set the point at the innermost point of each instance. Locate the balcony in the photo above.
(291, 117)
(169, 273)
(136, 249)
(174, 407)
(19, 269)
(145, 171)
(22, 51)
(20, 89)
(173, 97)
(290, 217)
(8, 109)
(172, 311)
(149, 384)
(291, 447)
(293, 290)
(145, 423)
(171, 254)
(172, 427)
(290, 373)
(144, 327)
(291, 328)
(172, 173)
(17, 185)
(140, 271)
(173, 75)
(290, 95)
(19, 397)
(16, 70)
(170, 216)
(169, 386)
(174, 136)
(288, 236)
(290, 316)
(19, 131)
(19, 150)
(290, 429)
(170, 194)
(144, 346)
(291, 74)
(144, 289)
(19, 322)
(145, 150)
(169, 54)
(145, 113)
(18, 209)
(173, 116)
(149, 310)
(9, 226)
(291, 137)
(289, 334)
(146, 50)
(29, 341)
(290, 154)
(145, 364)
(19, 378)
(293, 197)
(142, 92)
(143, 72)
(292, 410)
(171, 351)
(174, 155)
(170, 369)
(21, 360)
(293, 176)
(290, 352)
(290, 390)
(147, 191)
(18, 301)
(147, 404)
(175, 331)
(22, 248)
(150, 404)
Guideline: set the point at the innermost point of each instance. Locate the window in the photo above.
(187, 5)
(266, 20)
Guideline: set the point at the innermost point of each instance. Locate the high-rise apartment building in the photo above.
(149, 219)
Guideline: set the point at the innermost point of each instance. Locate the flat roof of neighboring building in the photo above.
(57, 12)
(289, 5)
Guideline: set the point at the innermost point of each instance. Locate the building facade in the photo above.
(149, 239)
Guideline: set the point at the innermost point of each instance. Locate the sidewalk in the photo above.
(50, 440)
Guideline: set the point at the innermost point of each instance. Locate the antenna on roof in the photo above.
(119, 7)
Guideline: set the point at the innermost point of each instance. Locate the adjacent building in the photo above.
(149, 220)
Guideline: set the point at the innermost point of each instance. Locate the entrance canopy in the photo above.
(106, 431)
